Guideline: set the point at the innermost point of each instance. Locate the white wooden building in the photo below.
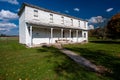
(42, 26)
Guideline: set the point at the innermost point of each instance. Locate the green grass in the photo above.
(102, 53)
(46, 63)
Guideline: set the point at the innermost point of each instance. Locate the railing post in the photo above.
(30, 36)
(77, 35)
(51, 34)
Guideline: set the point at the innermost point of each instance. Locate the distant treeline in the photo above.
(5, 35)
(110, 31)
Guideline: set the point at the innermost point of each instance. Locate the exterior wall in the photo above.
(22, 36)
(44, 17)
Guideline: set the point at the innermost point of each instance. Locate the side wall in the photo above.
(22, 35)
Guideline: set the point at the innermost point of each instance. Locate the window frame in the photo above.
(84, 35)
(79, 23)
(62, 17)
(71, 22)
(51, 18)
(84, 24)
(35, 13)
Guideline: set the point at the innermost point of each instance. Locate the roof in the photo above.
(40, 8)
(49, 25)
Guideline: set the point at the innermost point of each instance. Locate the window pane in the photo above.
(79, 23)
(84, 24)
(84, 35)
(71, 22)
(51, 18)
(62, 19)
(35, 10)
(35, 13)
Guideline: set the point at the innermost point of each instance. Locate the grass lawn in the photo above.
(46, 63)
(102, 53)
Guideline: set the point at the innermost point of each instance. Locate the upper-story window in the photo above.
(35, 13)
(84, 24)
(62, 19)
(79, 23)
(71, 22)
(51, 18)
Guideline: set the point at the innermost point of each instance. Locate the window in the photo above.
(62, 20)
(35, 13)
(71, 34)
(79, 23)
(84, 35)
(51, 18)
(71, 22)
(63, 34)
(79, 33)
(84, 24)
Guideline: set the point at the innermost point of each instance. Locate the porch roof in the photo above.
(51, 25)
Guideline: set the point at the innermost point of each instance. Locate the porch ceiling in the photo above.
(50, 25)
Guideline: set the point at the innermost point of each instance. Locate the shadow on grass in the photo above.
(65, 67)
(106, 42)
(101, 57)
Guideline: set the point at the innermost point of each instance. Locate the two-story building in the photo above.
(42, 26)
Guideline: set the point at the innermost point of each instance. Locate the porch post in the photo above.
(51, 34)
(61, 33)
(30, 36)
(77, 35)
(70, 33)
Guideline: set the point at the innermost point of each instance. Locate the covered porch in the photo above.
(39, 35)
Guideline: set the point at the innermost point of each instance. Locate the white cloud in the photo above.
(97, 19)
(7, 15)
(76, 9)
(6, 26)
(109, 9)
(66, 11)
(91, 27)
(11, 1)
(2, 29)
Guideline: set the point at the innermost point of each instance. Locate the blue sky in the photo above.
(95, 11)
